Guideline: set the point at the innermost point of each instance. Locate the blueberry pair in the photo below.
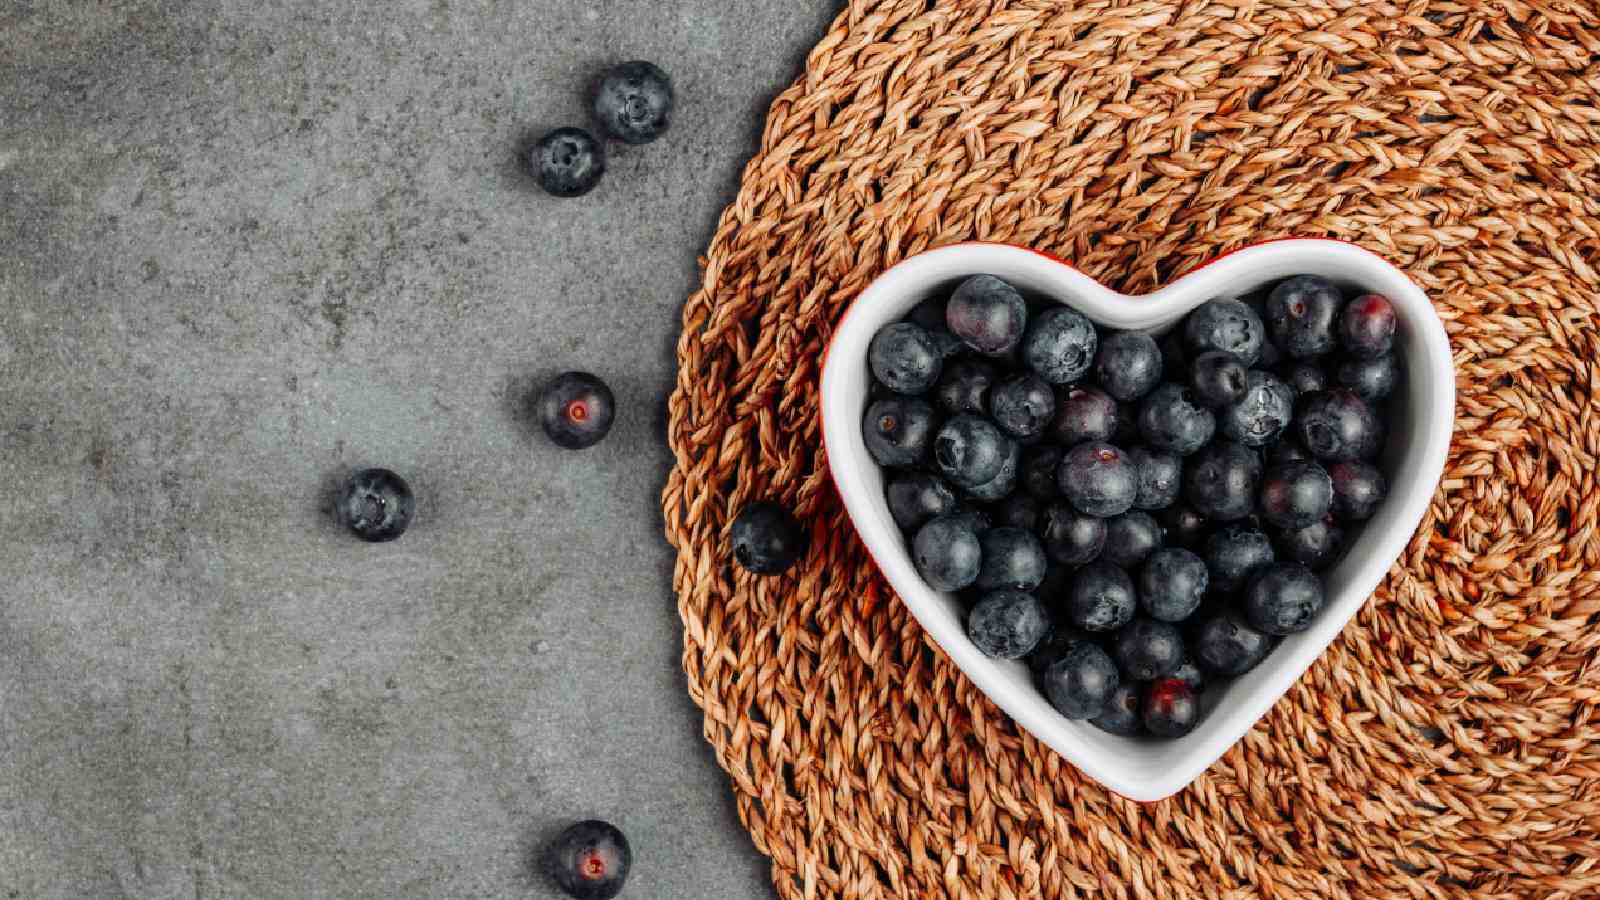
(633, 104)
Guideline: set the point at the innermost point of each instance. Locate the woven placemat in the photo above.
(1445, 745)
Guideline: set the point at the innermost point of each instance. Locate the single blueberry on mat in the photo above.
(1060, 345)
(567, 162)
(1128, 364)
(1098, 479)
(589, 860)
(946, 553)
(576, 410)
(1120, 716)
(898, 431)
(1070, 537)
(634, 102)
(376, 505)
(1171, 418)
(1007, 624)
(916, 497)
(1080, 681)
(1227, 325)
(1301, 314)
(988, 314)
(767, 538)
(903, 357)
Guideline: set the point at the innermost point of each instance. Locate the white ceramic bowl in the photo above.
(1423, 410)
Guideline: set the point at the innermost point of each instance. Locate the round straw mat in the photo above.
(1446, 744)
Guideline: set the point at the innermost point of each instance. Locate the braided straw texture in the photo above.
(1446, 743)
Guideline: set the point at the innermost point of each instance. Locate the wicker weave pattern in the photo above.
(1445, 745)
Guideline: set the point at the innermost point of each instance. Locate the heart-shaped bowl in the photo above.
(1421, 414)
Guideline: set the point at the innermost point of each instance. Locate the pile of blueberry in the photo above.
(1135, 518)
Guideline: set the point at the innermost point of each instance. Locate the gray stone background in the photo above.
(247, 245)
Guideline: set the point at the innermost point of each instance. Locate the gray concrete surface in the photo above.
(247, 245)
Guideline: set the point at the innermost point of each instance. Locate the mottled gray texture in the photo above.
(248, 245)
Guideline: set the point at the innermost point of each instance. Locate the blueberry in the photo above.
(767, 538)
(1338, 426)
(1221, 481)
(898, 431)
(1293, 495)
(1019, 511)
(1004, 483)
(1171, 709)
(1120, 716)
(376, 505)
(1225, 644)
(1287, 449)
(1038, 472)
(1084, 414)
(1148, 649)
(1099, 598)
(1172, 419)
(576, 410)
(1372, 379)
(567, 162)
(1234, 553)
(1262, 414)
(948, 345)
(987, 314)
(916, 497)
(1160, 478)
(1358, 488)
(1190, 673)
(589, 860)
(970, 450)
(1060, 345)
(1070, 537)
(1128, 364)
(1303, 377)
(974, 518)
(904, 357)
(964, 387)
(1227, 325)
(1098, 479)
(1218, 379)
(1007, 624)
(947, 553)
(1300, 315)
(1022, 405)
(1366, 327)
(1080, 681)
(1283, 598)
(1172, 583)
(1184, 526)
(1315, 546)
(634, 102)
(1131, 538)
(1012, 559)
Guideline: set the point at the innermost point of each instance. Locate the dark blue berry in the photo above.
(589, 860)
(1218, 379)
(1019, 511)
(1070, 537)
(1007, 624)
(1060, 345)
(1221, 481)
(1160, 478)
(948, 345)
(1283, 598)
(1233, 553)
(946, 553)
(1190, 673)
(1172, 583)
(1012, 559)
(1265, 410)
(1301, 313)
(1315, 546)
(970, 450)
(1171, 418)
(1184, 526)
(1372, 379)
(1358, 488)
(1100, 598)
(634, 102)
(1080, 681)
(576, 410)
(898, 431)
(1366, 327)
(1084, 414)
(1227, 325)
(904, 357)
(1128, 364)
(1303, 377)
(1225, 644)
(1120, 716)
(1338, 426)
(1293, 495)
(376, 505)
(1171, 709)
(1131, 538)
(964, 387)
(1022, 405)
(1039, 467)
(1004, 483)
(988, 314)
(1098, 479)
(1148, 649)
(767, 538)
(916, 497)
(567, 162)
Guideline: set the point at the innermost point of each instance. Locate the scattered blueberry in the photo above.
(1039, 467)
(1366, 328)
(1218, 379)
(1160, 478)
(1098, 479)
(1128, 364)
(916, 497)
(1005, 481)
(1227, 325)
(1300, 315)
(1283, 598)
(1022, 405)
(1233, 554)
(1225, 644)
(970, 450)
(1315, 546)
(767, 538)
(1172, 419)
(589, 860)
(1171, 709)
(1221, 481)
(1358, 488)
(1184, 526)
(1293, 495)
(1019, 511)
(1007, 624)
(1372, 379)
(1303, 377)
(567, 162)
(1262, 414)
(964, 387)
(1080, 681)
(1084, 414)
(1148, 649)
(1338, 426)
(898, 431)
(376, 505)
(576, 410)
(988, 314)
(1120, 715)
(904, 357)
(1060, 345)
(1070, 537)
(947, 554)
(634, 102)
(1172, 583)
(1100, 598)
(1012, 559)
(1131, 538)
